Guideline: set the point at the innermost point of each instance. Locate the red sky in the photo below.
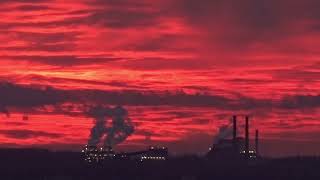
(182, 68)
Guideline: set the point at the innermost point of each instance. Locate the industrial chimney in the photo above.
(247, 137)
(257, 142)
(234, 137)
(234, 128)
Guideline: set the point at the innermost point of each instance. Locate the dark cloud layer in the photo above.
(67, 60)
(300, 102)
(28, 134)
(28, 97)
(240, 25)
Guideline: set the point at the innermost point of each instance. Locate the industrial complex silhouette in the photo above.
(227, 158)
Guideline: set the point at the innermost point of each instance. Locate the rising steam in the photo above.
(112, 126)
(225, 131)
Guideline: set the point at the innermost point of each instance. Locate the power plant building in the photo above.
(225, 149)
(236, 148)
(92, 154)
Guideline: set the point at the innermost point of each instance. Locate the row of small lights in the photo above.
(92, 149)
(95, 156)
(242, 152)
(155, 158)
(152, 147)
(249, 152)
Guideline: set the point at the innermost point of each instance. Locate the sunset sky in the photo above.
(181, 68)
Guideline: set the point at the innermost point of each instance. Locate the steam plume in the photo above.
(115, 131)
(121, 127)
(224, 132)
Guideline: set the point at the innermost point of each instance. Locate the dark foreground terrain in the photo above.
(34, 164)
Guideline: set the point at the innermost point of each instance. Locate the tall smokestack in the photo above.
(247, 137)
(257, 142)
(234, 138)
(234, 128)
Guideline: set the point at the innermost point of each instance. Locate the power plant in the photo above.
(93, 154)
(223, 148)
(237, 148)
(229, 158)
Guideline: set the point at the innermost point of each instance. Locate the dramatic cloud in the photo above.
(27, 134)
(180, 67)
(28, 97)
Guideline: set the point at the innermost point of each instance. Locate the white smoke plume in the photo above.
(224, 132)
(115, 130)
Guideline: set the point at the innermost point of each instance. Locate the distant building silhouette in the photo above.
(236, 148)
(92, 154)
